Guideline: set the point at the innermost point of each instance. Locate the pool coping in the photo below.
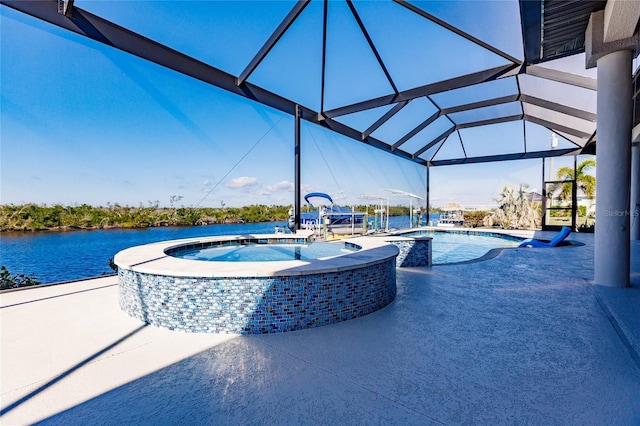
(152, 259)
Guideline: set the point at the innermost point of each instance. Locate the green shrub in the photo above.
(474, 219)
(8, 281)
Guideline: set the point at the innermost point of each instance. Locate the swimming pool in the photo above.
(461, 246)
(262, 252)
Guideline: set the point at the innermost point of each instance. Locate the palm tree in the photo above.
(514, 209)
(585, 182)
(508, 204)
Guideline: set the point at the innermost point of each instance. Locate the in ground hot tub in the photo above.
(260, 250)
(253, 297)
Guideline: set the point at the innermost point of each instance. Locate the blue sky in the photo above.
(83, 123)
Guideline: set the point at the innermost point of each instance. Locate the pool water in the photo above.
(449, 247)
(252, 252)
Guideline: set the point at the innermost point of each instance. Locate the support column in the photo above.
(614, 109)
(426, 198)
(544, 197)
(635, 190)
(574, 196)
(297, 170)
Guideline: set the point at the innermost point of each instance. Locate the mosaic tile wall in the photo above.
(413, 252)
(256, 305)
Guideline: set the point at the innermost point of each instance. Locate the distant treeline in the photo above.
(34, 217)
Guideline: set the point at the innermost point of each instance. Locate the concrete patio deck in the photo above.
(522, 338)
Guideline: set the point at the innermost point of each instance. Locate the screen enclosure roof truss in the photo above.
(385, 97)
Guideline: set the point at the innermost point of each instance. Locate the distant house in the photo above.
(589, 203)
(534, 197)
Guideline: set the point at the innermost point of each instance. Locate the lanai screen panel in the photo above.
(225, 34)
(390, 74)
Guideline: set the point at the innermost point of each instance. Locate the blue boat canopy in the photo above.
(317, 194)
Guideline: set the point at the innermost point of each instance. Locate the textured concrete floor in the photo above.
(523, 338)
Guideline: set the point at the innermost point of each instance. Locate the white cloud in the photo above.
(206, 186)
(284, 186)
(242, 182)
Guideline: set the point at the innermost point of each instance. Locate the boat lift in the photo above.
(381, 214)
(334, 220)
(411, 212)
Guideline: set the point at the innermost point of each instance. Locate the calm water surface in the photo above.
(452, 248)
(265, 252)
(63, 256)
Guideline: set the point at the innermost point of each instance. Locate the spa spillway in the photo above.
(200, 285)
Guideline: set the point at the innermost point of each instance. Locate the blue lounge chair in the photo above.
(532, 242)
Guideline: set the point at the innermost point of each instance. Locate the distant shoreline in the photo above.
(29, 218)
(116, 227)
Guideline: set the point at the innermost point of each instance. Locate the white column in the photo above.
(635, 191)
(613, 174)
